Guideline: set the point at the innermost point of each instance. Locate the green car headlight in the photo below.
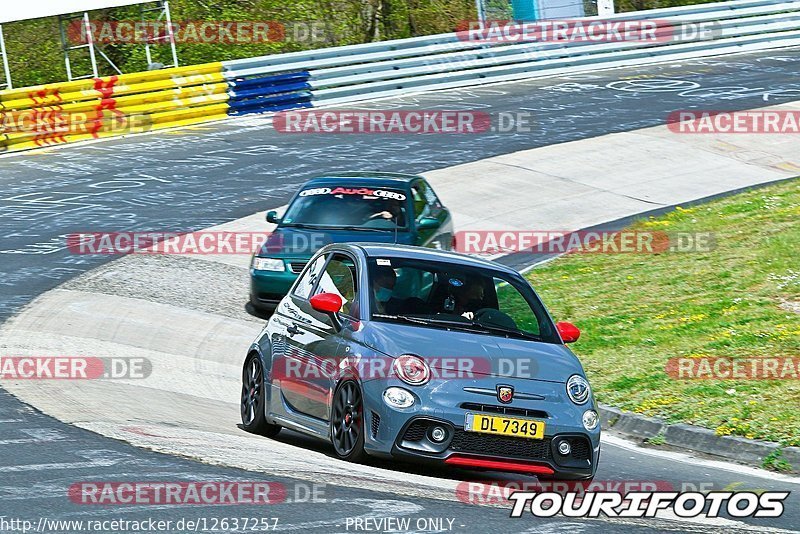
(268, 264)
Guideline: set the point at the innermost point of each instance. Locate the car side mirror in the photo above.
(428, 223)
(329, 304)
(272, 217)
(569, 332)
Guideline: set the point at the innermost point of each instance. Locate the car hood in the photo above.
(486, 355)
(304, 243)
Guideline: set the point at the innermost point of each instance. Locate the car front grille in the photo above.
(485, 444)
(416, 431)
(297, 266)
(580, 448)
(505, 410)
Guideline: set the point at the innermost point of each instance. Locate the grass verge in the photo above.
(739, 300)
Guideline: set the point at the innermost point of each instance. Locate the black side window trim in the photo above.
(356, 281)
(311, 293)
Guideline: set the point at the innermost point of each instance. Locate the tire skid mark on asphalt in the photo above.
(95, 458)
(38, 435)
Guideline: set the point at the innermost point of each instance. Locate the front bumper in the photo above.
(406, 433)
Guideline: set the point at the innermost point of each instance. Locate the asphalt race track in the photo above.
(191, 179)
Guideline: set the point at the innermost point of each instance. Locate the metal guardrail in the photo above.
(447, 61)
(102, 107)
(449, 42)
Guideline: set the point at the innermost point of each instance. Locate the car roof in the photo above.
(364, 178)
(383, 250)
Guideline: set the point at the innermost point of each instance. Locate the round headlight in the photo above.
(590, 419)
(398, 398)
(578, 389)
(411, 369)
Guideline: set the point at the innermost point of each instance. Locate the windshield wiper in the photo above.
(465, 325)
(510, 331)
(333, 227)
(470, 326)
(362, 228)
(299, 225)
(426, 321)
(405, 318)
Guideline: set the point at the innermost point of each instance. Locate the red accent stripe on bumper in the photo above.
(498, 465)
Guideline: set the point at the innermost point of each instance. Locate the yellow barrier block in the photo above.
(190, 121)
(112, 90)
(32, 119)
(134, 120)
(187, 114)
(220, 88)
(57, 114)
(10, 118)
(56, 92)
(53, 122)
(110, 128)
(118, 124)
(177, 104)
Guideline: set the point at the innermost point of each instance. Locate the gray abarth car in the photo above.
(413, 353)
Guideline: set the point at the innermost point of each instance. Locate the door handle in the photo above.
(293, 330)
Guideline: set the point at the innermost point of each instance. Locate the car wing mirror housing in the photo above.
(328, 303)
(272, 217)
(428, 223)
(569, 332)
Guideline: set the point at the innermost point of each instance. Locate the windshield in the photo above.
(353, 207)
(452, 296)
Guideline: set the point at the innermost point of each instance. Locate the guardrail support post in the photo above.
(481, 12)
(90, 41)
(67, 47)
(165, 15)
(4, 55)
(168, 18)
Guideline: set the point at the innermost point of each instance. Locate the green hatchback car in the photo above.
(348, 207)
